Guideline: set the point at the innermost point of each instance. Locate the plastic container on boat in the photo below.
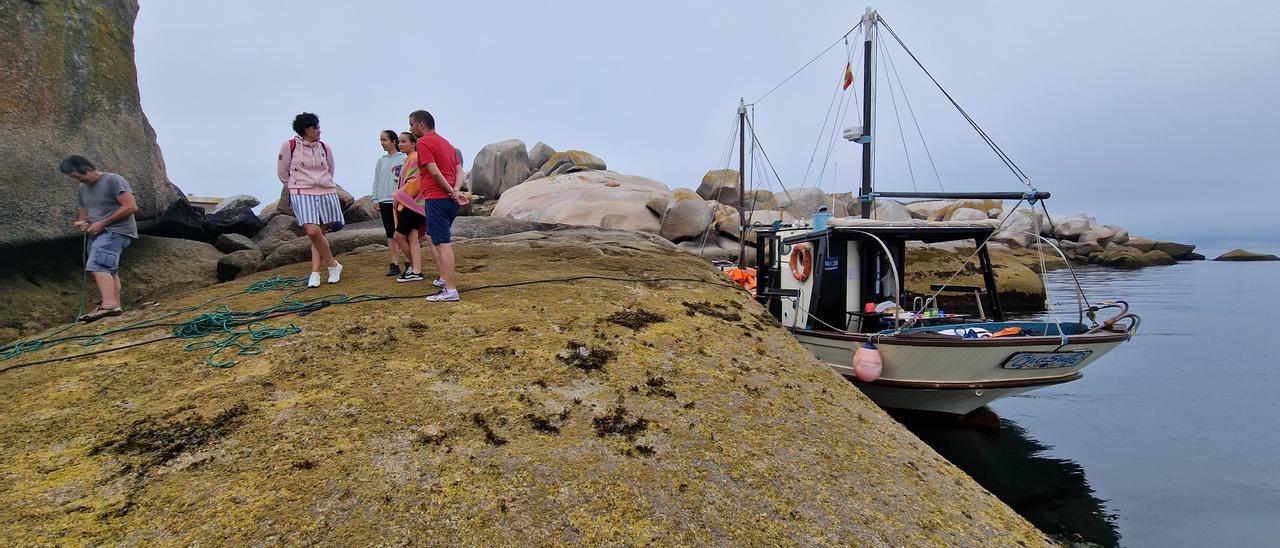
(820, 219)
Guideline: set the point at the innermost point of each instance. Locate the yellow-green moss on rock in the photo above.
(698, 421)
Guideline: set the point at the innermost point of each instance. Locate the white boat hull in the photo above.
(957, 377)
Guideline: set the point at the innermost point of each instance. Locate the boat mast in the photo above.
(868, 109)
(742, 171)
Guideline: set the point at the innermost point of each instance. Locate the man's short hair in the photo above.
(423, 117)
(76, 164)
(303, 121)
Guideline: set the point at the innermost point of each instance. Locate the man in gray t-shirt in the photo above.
(106, 214)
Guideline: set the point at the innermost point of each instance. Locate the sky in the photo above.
(1159, 116)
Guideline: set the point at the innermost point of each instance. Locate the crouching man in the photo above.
(106, 214)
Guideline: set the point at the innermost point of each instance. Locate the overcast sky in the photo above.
(1131, 111)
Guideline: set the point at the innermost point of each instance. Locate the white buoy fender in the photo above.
(866, 363)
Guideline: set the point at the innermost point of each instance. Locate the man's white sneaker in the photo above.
(438, 282)
(335, 273)
(443, 296)
(314, 280)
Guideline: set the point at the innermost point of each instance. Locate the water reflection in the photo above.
(1051, 493)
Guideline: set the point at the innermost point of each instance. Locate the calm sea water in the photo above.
(1173, 439)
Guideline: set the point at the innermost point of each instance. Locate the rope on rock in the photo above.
(222, 319)
(202, 322)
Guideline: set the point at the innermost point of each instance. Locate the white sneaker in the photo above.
(438, 282)
(335, 273)
(314, 280)
(443, 296)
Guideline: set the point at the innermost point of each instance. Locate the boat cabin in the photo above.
(849, 275)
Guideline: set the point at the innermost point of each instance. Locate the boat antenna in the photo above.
(742, 185)
(868, 109)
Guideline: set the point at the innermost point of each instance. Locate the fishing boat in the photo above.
(837, 284)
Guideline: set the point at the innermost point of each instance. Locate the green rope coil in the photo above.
(243, 330)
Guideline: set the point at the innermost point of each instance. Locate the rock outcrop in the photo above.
(605, 199)
(802, 203)
(593, 412)
(1021, 289)
(43, 284)
(179, 220)
(232, 202)
(539, 155)
(238, 264)
(720, 185)
(363, 209)
(1242, 255)
(499, 167)
(240, 220)
(70, 87)
(687, 219)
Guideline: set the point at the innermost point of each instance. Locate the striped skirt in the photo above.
(316, 210)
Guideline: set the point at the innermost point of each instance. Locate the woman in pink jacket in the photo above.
(305, 167)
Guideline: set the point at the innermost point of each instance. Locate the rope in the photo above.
(226, 321)
(912, 111)
(1017, 172)
(25, 346)
(902, 135)
(764, 154)
(806, 65)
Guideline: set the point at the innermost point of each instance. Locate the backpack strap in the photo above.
(293, 145)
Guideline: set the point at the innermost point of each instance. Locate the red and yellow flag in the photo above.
(848, 74)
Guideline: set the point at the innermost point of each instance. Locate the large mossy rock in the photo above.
(605, 199)
(595, 412)
(70, 87)
(1021, 289)
(43, 284)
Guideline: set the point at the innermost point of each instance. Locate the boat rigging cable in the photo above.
(893, 67)
(893, 100)
(806, 65)
(1017, 172)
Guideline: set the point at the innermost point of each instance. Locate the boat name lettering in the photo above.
(1046, 360)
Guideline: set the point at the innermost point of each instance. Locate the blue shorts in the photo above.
(440, 215)
(104, 252)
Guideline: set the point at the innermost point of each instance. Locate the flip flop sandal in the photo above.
(99, 313)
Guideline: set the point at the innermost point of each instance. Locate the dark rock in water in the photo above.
(179, 220)
(240, 220)
(231, 243)
(70, 87)
(1174, 249)
(1242, 255)
(1192, 257)
(238, 264)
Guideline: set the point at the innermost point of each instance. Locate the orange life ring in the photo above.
(801, 262)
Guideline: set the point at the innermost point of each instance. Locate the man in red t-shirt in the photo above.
(440, 170)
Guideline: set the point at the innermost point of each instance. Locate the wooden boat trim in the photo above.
(908, 340)
(981, 385)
